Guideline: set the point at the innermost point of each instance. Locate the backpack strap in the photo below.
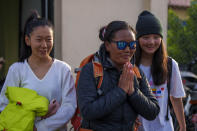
(137, 72)
(97, 68)
(169, 66)
(83, 62)
(137, 123)
(98, 72)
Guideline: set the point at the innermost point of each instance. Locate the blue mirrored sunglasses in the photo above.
(121, 45)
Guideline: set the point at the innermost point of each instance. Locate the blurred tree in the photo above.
(182, 38)
(191, 32)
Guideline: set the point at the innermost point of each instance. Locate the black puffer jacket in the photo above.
(113, 110)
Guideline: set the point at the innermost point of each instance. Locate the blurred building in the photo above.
(77, 23)
(180, 7)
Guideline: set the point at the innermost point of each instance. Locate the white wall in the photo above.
(58, 29)
(82, 19)
(160, 9)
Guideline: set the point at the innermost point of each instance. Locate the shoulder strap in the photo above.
(83, 62)
(169, 67)
(137, 72)
(98, 72)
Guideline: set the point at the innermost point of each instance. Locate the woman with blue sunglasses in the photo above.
(152, 58)
(121, 96)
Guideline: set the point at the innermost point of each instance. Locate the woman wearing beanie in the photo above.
(152, 58)
(124, 92)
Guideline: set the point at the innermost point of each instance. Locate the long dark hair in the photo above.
(32, 22)
(159, 63)
(106, 33)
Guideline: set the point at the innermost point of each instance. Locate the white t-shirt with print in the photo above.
(161, 93)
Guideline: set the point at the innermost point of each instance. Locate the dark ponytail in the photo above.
(102, 33)
(32, 22)
(107, 33)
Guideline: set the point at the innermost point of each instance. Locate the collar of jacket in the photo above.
(104, 58)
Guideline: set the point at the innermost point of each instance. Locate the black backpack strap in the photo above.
(169, 66)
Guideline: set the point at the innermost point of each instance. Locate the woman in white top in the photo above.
(152, 58)
(49, 77)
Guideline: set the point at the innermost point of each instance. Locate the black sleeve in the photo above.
(143, 100)
(91, 106)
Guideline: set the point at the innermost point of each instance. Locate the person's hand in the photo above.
(127, 78)
(52, 109)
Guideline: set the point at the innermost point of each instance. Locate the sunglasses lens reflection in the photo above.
(121, 45)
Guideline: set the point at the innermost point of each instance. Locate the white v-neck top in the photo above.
(57, 84)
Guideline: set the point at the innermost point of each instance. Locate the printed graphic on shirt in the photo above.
(157, 91)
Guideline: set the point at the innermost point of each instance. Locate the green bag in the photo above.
(24, 105)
